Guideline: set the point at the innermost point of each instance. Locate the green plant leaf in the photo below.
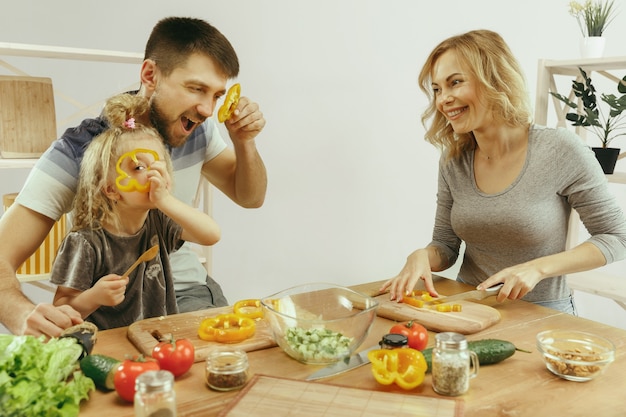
(621, 87)
(590, 116)
(565, 100)
(617, 104)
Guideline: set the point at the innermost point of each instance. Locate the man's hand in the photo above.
(50, 321)
(246, 122)
(240, 173)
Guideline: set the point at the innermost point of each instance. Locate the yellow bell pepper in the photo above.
(226, 328)
(405, 367)
(131, 183)
(230, 103)
(249, 308)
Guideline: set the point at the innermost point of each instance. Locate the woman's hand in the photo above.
(417, 267)
(518, 281)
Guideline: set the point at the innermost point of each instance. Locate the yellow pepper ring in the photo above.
(249, 308)
(404, 366)
(226, 328)
(230, 103)
(132, 184)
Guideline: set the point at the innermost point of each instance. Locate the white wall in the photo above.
(351, 181)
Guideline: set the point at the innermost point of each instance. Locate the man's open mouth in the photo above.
(188, 124)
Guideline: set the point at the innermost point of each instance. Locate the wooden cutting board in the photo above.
(266, 396)
(473, 318)
(185, 325)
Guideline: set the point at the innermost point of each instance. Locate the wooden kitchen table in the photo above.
(519, 386)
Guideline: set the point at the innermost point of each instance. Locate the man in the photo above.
(186, 66)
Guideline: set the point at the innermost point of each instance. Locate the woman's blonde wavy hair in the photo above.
(91, 206)
(488, 59)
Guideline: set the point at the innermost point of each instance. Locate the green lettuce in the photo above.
(39, 378)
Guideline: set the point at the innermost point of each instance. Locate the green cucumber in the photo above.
(489, 351)
(101, 369)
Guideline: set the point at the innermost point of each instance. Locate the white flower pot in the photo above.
(592, 47)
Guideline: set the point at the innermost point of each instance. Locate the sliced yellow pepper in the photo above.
(226, 328)
(412, 301)
(132, 184)
(418, 298)
(446, 308)
(249, 308)
(230, 103)
(405, 367)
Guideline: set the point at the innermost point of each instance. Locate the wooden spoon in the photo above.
(146, 256)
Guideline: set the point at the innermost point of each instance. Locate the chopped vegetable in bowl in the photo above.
(319, 323)
(317, 344)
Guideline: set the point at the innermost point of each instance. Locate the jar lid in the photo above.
(227, 360)
(152, 381)
(394, 340)
(451, 340)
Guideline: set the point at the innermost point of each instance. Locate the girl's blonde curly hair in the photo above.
(91, 206)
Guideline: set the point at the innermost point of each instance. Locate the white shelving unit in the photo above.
(16, 163)
(593, 282)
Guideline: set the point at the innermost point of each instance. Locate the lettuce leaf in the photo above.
(39, 378)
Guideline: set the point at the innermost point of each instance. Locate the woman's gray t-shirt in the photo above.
(529, 219)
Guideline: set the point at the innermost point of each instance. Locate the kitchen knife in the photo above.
(344, 365)
(473, 295)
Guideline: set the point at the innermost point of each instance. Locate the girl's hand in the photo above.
(110, 289)
(160, 182)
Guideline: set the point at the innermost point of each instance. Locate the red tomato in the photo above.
(128, 371)
(175, 356)
(415, 332)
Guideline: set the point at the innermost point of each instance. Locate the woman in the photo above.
(506, 187)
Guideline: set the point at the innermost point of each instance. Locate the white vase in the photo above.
(592, 47)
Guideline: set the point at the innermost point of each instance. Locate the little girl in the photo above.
(122, 208)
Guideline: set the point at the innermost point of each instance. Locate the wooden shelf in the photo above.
(547, 69)
(570, 67)
(77, 54)
(17, 163)
(600, 283)
(617, 178)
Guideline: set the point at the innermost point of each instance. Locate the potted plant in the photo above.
(594, 119)
(592, 17)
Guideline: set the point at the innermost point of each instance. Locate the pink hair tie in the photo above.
(130, 123)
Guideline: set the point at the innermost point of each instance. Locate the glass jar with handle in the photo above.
(453, 364)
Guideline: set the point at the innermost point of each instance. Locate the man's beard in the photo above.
(160, 123)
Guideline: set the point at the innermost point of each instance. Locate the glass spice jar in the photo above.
(453, 364)
(154, 394)
(393, 341)
(227, 370)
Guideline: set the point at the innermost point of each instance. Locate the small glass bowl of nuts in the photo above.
(575, 356)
